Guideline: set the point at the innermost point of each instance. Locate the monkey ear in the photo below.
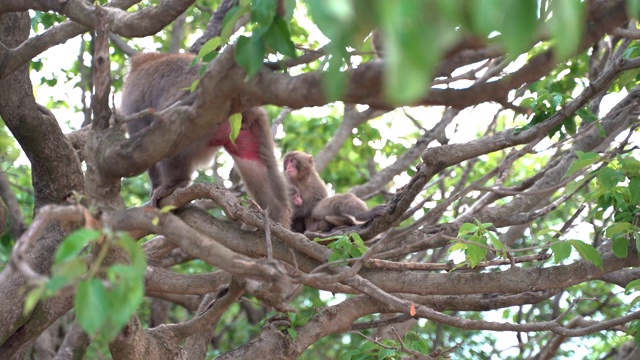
(310, 159)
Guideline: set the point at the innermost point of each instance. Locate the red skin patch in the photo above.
(246, 145)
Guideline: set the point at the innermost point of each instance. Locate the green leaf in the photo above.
(630, 165)
(70, 269)
(331, 16)
(570, 125)
(586, 115)
(249, 54)
(630, 52)
(634, 189)
(292, 317)
(168, 208)
(632, 286)
(561, 251)
(634, 329)
(340, 242)
(486, 14)
(289, 6)
(125, 296)
(587, 156)
(386, 353)
(573, 186)
(497, 244)
(475, 254)
(37, 65)
(263, 12)
(556, 100)
(633, 8)
(527, 103)
(335, 237)
(235, 121)
(91, 305)
(628, 77)
(620, 228)
(467, 228)
(519, 25)
(349, 355)
(334, 79)
(567, 24)
(484, 225)
(358, 242)
(138, 260)
(230, 20)
(414, 48)
(584, 159)
(620, 247)
(601, 131)
(453, 11)
(609, 177)
(588, 252)
(293, 333)
(56, 283)
(74, 243)
(32, 299)
(336, 256)
(457, 246)
(194, 85)
(210, 46)
(279, 39)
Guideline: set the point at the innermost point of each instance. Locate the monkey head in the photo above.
(298, 165)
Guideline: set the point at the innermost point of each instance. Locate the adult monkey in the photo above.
(309, 187)
(156, 81)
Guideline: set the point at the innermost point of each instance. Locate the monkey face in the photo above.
(291, 167)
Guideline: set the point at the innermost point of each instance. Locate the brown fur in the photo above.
(341, 210)
(157, 80)
(309, 187)
(376, 43)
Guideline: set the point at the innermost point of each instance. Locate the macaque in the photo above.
(310, 189)
(341, 210)
(294, 196)
(156, 81)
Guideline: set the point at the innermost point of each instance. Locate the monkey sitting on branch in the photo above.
(156, 81)
(306, 187)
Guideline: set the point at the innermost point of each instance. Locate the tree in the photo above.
(522, 222)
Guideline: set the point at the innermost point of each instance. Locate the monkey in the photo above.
(310, 189)
(294, 196)
(156, 81)
(341, 210)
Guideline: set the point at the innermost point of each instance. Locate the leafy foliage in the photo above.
(103, 306)
(346, 247)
